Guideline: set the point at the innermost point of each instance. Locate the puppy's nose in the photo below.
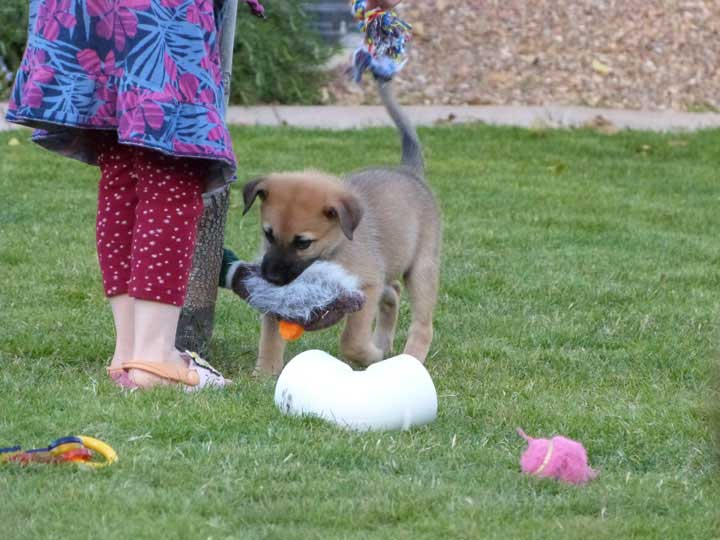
(274, 278)
(272, 273)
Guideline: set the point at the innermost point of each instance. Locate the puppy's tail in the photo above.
(411, 148)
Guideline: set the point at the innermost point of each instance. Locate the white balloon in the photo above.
(397, 393)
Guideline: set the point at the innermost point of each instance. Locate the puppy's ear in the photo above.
(252, 190)
(348, 211)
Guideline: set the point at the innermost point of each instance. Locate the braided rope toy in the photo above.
(383, 50)
(78, 449)
(256, 8)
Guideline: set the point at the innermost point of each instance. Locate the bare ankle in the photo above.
(159, 354)
(120, 357)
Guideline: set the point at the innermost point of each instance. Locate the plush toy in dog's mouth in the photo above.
(318, 298)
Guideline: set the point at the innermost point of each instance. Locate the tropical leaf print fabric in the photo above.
(148, 69)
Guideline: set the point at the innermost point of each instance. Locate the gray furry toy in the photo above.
(318, 298)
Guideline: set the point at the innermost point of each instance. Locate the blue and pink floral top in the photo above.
(147, 69)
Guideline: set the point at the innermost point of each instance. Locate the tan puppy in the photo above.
(381, 224)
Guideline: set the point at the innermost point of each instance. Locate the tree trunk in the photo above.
(195, 327)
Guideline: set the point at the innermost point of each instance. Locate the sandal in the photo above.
(197, 375)
(121, 378)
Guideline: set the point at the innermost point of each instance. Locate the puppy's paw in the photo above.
(363, 356)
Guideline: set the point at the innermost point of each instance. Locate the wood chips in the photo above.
(631, 54)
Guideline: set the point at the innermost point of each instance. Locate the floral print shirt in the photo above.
(147, 69)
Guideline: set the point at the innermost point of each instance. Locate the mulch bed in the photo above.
(632, 54)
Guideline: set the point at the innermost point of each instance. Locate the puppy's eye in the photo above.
(301, 243)
(269, 235)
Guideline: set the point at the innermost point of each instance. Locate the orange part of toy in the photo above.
(291, 331)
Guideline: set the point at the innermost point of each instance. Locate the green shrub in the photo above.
(277, 60)
(13, 27)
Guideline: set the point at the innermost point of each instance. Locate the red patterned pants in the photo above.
(149, 205)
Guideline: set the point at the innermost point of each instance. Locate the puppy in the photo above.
(381, 224)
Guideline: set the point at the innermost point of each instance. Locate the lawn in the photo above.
(580, 295)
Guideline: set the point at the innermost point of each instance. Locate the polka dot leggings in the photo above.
(149, 206)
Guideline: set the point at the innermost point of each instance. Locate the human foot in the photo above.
(118, 375)
(187, 369)
(121, 378)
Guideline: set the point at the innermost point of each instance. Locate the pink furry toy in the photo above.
(559, 458)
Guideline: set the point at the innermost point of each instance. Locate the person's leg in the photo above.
(123, 310)
(155, 328)
(114, 229)
(169, 207)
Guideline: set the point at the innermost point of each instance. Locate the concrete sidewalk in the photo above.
(335, 117)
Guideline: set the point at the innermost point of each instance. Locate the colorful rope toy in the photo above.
(78, 449)
(256, 8)
(383, 50)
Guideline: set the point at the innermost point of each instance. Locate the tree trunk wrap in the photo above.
(196, 320)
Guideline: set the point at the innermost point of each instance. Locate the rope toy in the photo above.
(256, 8)
(383, 49)
(78, 449)
(317, 299)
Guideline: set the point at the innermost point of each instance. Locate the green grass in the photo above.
(580, 295)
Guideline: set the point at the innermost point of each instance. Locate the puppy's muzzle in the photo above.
(280, 268)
